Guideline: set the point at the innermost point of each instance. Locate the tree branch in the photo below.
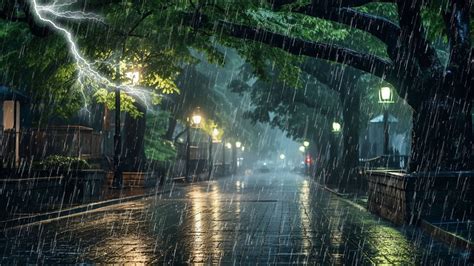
(296, 46)
(380, 27)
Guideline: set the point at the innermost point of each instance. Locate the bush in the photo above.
(63, 163)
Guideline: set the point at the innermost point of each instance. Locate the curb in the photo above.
(445, 236)
(342, 195)
(22, 221)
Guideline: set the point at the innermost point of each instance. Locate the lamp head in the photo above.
(133, 76)
(215, 132)
(196, 118)
(385, 95)
(336, 127)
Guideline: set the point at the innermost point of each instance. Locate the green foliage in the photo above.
(63, 163)
(126, 102)
(157, 148)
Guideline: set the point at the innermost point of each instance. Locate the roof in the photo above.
(7, 94)
(379, 119)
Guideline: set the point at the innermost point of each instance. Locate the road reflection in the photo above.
(304, 207)
(205, 236)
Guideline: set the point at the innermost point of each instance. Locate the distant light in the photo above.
(336, 127)
(302, 149)
(282, 156)
(306, 143)
(385, 95)
(228, 145)
(238, 144)
(243, 148)
(265, 164)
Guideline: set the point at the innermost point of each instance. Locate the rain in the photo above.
(226, 132)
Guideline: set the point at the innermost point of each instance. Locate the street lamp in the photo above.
(302, 148)
(133, 76)
(306, 143)
(196, 119)
(214, 134)
(238, 144)
(228, 145)
(117, 180)
(336, 127)
(282, 156)
(385, 98)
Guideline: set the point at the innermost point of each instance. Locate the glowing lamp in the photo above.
(215, 132)
(385, 95)
(133, 76)
(336, 127)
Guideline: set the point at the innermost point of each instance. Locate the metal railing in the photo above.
(389, 162)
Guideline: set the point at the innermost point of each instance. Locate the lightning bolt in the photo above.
(87, 74)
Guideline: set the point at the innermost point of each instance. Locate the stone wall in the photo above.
(405, 198)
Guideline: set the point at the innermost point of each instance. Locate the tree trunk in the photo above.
(171, 127)
(442, 136)
(333, 168)
(134, 150)
(350, 138)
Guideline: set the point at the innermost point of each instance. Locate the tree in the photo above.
(440, 142)
(411, 64)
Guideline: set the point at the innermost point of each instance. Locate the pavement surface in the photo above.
(271, 218)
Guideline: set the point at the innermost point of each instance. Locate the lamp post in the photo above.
(214, 134)
(283, 157)
(196, 119)
(117, 182)
(385, 98)
(307, 160)
(228, 146)
(333, 162)
(237, 147)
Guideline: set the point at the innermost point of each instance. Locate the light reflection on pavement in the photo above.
(264, 218)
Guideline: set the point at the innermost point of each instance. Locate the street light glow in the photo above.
(336, 127)
(282, 156)
(243, 148)
(197, 118)
(228, 145)
(133, 76)
(306, 143)
(215, 132)
(302, 149)
(238, 144)
(385, 95)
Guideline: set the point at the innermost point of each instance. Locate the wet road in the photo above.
(263, 218)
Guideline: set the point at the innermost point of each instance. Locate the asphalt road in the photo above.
(272, 218)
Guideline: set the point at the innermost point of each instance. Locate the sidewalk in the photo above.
(457, 234)
(59, 209)
(30, 200)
